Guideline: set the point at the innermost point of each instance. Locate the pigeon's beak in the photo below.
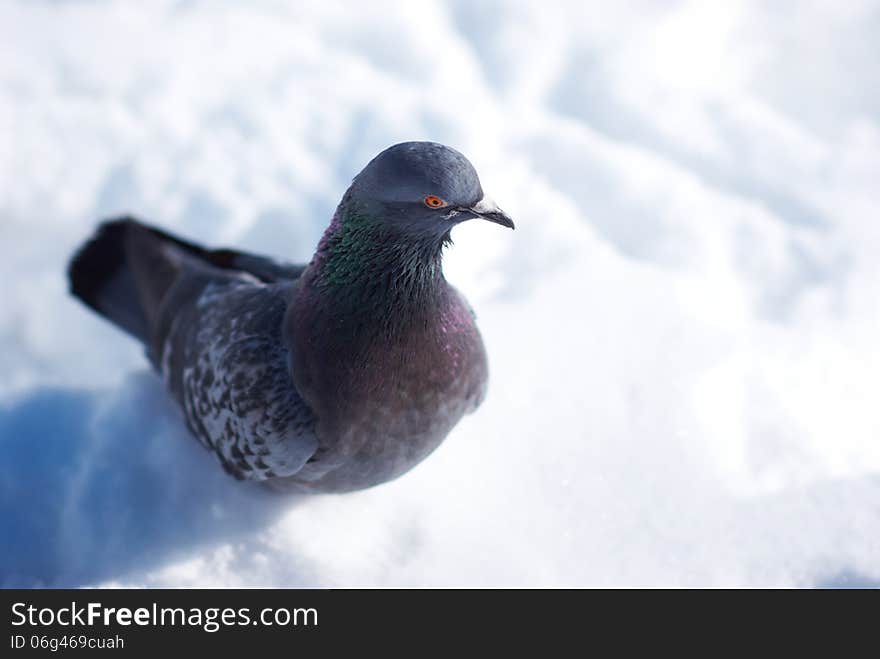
(487, 209)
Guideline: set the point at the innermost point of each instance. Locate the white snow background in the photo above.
(683, 329)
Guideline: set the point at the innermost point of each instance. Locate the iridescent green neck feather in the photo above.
(363, 262)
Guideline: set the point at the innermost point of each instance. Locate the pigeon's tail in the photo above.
(127, 268)
(124, 271)
(100, 276)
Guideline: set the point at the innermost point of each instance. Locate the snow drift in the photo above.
(682, 330)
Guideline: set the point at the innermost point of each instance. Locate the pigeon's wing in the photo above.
(211, 322)
(265, 269)
(222, 355)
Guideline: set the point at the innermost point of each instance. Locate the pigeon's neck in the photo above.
(367, 266)
(373, 325)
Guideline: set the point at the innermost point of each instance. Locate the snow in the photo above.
(682, 329)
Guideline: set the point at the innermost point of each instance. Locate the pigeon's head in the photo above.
(423, 189)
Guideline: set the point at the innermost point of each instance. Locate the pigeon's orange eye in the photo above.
(432, 201)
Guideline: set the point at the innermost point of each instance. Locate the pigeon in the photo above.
(328, 377)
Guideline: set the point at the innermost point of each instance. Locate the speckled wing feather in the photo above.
(220, 350)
